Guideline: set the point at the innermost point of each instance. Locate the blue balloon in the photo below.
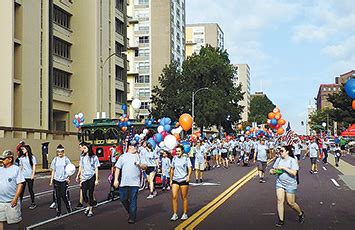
(162, 121)
(137, 138)
(247, 128)
(129, 123)
(124, 107)
(124, 115)
(167, 128)
(273, 121)
(158, 138)
(149, 123)
(152, 143)
(350, 88)
(187, 148)
(74, 121)
(167, 121)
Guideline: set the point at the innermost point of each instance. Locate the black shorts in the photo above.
(208, 158)
(224, 155)
(182, 183)
(298, 156)
(150, 169)
(313, 160)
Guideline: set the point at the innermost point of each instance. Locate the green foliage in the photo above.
(342, 112)
(318, 117)
(210, 68)
(260, 107)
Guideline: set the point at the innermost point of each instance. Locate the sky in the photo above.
(291, 46)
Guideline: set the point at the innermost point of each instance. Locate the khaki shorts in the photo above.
(199, 165)
(11, 215)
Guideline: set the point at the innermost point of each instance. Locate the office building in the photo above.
(242, 76)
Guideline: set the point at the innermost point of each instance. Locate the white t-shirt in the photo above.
(25, 166)
(130, 171)
(262, 156)
(9, 179)
(180, 166)
(313, 150)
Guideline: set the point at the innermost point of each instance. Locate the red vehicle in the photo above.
(103, 134)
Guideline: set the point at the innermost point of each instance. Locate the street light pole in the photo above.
(102, 65)
(193, 106)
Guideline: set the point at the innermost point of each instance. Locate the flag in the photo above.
(290, 137)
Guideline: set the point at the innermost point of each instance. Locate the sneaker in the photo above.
(200, 180)
(213, 166)
(174, 217)
(90, 214)
(184, 216)
(196, 181)
(315, 172)
(262, 181)
(155, 193)
(151, 196)
(336, 165)
(163, 189)
(79, 206)
(86, 211)
(218, 166)
(311, 172)
(130, 221)
(32, 206)
(280, 223)
(301, 218)
(168, 188)
(53, 206)
(58, 214)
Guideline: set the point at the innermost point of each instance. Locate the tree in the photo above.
(342, 112)
(260, 107)
(210, 68)
(318, 117)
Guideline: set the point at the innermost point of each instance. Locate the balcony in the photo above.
(119, 85)
(133, 70)
(62, 95)
(62, 63)
(132, 20)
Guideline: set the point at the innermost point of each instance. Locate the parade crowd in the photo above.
(144, 166)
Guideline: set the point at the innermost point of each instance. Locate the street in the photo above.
(327, 201)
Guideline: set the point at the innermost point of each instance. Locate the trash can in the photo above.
(45, 155)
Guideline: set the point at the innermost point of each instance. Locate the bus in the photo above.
(103, 134)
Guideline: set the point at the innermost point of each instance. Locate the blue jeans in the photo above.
(166, 181)
(128, 197)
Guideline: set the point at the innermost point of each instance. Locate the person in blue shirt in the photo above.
(89, 176)
(180, 173)
(11, 185)
(286, 167)
(27, 163)
(60, 180)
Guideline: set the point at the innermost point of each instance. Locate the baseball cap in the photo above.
(133, 142)
(6, 154)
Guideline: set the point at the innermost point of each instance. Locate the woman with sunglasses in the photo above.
(286, 168)
(180, 173)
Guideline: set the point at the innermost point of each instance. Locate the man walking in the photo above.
(313, 152)
(261, 157)
(10, 189)
(130, 165)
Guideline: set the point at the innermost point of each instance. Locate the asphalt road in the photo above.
(252, 206)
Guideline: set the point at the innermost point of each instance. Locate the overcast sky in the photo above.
(291, 46)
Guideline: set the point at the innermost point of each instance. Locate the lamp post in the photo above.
(193, 106)
(102, 65)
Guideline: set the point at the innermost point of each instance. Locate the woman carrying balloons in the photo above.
(60, 179)
(286, 168)
(180, 173)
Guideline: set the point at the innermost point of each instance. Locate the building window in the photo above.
(119, 26)
(145, 105)
(119, 97)
(61, 48)
(142, 2)
(61, 17)
(61, 79)
(119, 5)
(142, 79)
(143, 53)
(119, 49)
(119, 73)
(143, 39)
(144, 92)
(143, 66)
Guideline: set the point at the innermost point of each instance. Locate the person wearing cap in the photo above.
(129, 165)
(60, 180)
(11, 185)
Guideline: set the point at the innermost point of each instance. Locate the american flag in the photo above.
(290, 137)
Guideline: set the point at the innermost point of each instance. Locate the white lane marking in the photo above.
(40, 194)
(335, 182)
(324, 168)
(65, 215)
(204, 184)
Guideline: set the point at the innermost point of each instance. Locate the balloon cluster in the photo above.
(78, 120)
(124, 122)
(350, 90)
(256, 132)
(149, 122)
(276, 121)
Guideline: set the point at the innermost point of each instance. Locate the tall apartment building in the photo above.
(61, 57)
(156, 33)
(242, 77)
(203, 34)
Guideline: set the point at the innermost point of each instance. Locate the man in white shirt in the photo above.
(313, 152)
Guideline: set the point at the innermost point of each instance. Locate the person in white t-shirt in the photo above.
(313, 152)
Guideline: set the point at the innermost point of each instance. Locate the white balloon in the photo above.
(136, 104)
(173, 131)
(162, 144)
(241, 138)
(76, 116)
(145, 131)
(179, 129)
(70, 170)
(141, 136)
(170, 141)
(160, 128)
(81, 115)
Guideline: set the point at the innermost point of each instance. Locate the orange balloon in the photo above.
(280, 131)
(247, 132)
(276, 110)
(177, 124)
(177, 136)
(124, 129)
(271, 115)
(252, 130)
(281, 122)
(126, 119)
(122, 119)
(185, 121)
(353, 104)
(278, 116)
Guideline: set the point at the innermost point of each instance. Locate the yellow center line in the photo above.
(200, 215)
